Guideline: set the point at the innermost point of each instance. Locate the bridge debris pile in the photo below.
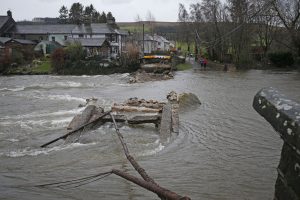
(133, 111)
(152, 72)
(164, 115)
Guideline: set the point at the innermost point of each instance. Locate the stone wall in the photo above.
(284, 115)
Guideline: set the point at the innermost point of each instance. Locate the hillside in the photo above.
(159, 27)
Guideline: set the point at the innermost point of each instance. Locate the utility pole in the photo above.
(198, 41)
(143, 40)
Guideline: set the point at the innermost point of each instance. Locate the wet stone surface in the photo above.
(284, 115)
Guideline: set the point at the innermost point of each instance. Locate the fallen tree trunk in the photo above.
(74, 131)
(148, 183)
(136, 166)
(160, 191)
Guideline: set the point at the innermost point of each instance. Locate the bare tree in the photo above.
(212, 14)
(240, 38)
(138, 18)
(266, 24)
(208, 18)
(151, 19)
(289, 13)
(185, 32)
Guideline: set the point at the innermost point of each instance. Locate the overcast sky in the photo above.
(123, 10)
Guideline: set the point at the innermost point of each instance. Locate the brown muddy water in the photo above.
(224, 150)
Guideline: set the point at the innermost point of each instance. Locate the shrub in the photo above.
(17, 57)
(58, 60)
(281, 59)
(75, 52)
(130, 59)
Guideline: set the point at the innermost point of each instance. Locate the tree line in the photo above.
(241, 29)
(78, 14)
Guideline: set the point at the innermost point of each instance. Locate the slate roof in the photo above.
(44, 28)
(88, 42)
(21, 41)
(122, 32)
(3, 20)
(63, 29)
(94, 28)
(160, 38)
(3, 40)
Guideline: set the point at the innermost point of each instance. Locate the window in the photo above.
(80, 35)
(53, 39)
(65, 37)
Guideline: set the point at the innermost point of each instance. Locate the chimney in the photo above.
(110, 21)
(9, 13)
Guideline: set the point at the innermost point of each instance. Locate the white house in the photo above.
(61, 33)
(154, 43)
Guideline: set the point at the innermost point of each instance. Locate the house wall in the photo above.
(26, 49)
(167, 46)
(35, 37)
(82, 36)
(147, 46)
(160, 44)
(60, 38)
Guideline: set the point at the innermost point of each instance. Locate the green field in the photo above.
(135, 27)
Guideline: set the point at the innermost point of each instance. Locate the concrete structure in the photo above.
(284, 115)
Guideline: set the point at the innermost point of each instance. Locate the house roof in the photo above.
(160, 38)
(44, 28)
(148, 37)
(122, 32)
(88, 42)
(94, 28)
(3, 40)
(6, 23)
(21, 41)
(3, 20)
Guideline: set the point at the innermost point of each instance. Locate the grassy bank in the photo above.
(184, 66)
(38, 68)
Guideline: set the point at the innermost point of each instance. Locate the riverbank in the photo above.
(43, 67)
(217, 66)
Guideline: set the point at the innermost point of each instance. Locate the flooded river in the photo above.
(224, 150)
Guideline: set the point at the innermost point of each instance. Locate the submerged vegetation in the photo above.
(73, 60)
